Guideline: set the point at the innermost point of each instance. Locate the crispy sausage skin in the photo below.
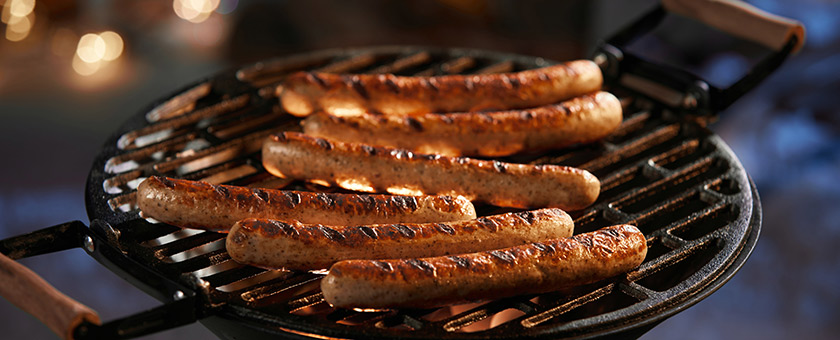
(304, 93)
(201, 205)
(365, 168)
(527, 269)
(273, 244)
(581, 119)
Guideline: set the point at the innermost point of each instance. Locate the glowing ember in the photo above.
(356, 184)
(406, 191)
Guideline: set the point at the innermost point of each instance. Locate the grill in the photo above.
(662, 171)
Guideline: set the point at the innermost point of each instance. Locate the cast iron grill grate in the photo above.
(672, 178)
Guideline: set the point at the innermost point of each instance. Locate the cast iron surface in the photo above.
(670, 176)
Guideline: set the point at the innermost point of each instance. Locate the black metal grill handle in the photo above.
(65, 316)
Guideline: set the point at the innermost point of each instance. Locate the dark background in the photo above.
(54, 121)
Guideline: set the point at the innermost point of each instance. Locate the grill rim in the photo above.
(95, 188)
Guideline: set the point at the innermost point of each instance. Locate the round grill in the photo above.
(671, 177)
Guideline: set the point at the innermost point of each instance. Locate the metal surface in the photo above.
(675, 180)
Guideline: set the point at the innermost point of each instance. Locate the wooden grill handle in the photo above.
(25, 289)
(741, 20)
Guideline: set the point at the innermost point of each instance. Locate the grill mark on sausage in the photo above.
(405, 230)
(285, 227)
(331, 234)
(325, 144)
(514, 82)
(384, 266)
(500, 166)
(503, 255)
(356, 83)
(166, 182)
(405, 202)
(422, 265)
(222, 191)
(261, 195)
(488, 223)
(325, 199)
(527, 216)
(314, 78)
(445, 228)
(369, 150)
(392, 85)
(460, 261)
(370, 232)
(293, 198)
(429, 83)
(414, 124)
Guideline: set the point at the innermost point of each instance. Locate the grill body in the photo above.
(666, 173)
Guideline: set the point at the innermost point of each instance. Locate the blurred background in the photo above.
(72, 71)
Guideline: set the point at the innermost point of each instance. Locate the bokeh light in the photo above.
(113, 45)
(19, 16)
(91, 48)
(96, 50)
(194, 11)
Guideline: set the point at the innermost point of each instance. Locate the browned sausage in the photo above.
(304, 93)
(527, 269)
(581, 119)
(202, 205)
(274, 244)
(366, 168)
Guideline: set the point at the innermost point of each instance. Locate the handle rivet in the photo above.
(178, 295)
(87, 243)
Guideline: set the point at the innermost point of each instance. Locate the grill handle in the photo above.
(742, 20)
(65, 316)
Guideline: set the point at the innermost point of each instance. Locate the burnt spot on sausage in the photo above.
(280, 137)
(392, 85)
(445, 228)
(527, 216)
(356, 83)
(369, 150)
(461, 160)
(503, 255)
(166, 182)
(402, 154)
(407, 203)
(422, 265)
(238, 237)
(276, 226)
(331, 234)
(325, 199)
(414, 124)
(405, 230)
(293, 198)
(514, 82)
(430, 84)
(488, 223)
(460, 261)
(544, 247)
(261, 194)
(314, 78)
(222, 191)
(383, 265)
(430, 157)
(323, 143)
(369, 232)
(500, 167)
(543, 76)
(526, 115)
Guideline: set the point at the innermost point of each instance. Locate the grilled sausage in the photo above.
(527, 269)
(304, 93)
(202, 205)
(274, 244)
(582, 119)
(365, 168)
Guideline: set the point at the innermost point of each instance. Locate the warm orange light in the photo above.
(113, 45)
(19, 27)
(91, 48)
(20, 8)
(404, 190)
(194, 11)
(85, 68)
(355, 184)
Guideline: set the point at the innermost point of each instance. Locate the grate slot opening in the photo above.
(676, 184)
(180, 104)
(357, 319)
(406, 65)
(724, 186)
(698, 227)
(612, 301)
(683, 155)
(674, 273)
(619, 184)
(632, 127)
(640, 149)
(197, 251)
(591, 221)
(671, 212)
(283, 290)
(656, 249)
(259, 278)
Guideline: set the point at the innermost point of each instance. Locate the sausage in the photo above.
(581, 119)
(374, 169)
(201, 205)
(526, 269)
(274, 244)
(303, 93)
